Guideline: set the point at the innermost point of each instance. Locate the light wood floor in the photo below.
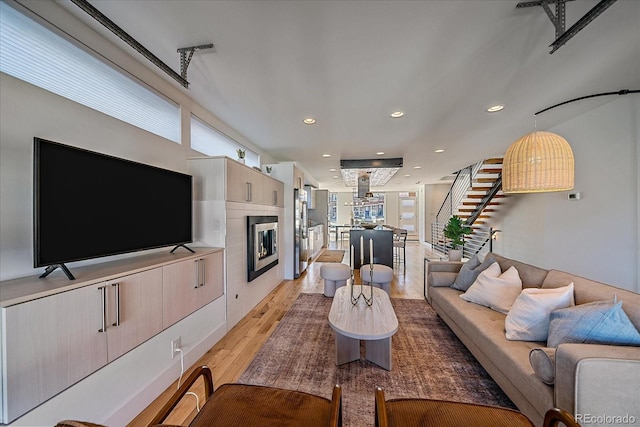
(232, 354)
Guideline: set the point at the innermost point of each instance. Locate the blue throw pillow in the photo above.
(470, 271)
(601, 322)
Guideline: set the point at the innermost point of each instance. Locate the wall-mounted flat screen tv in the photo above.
(89, 205)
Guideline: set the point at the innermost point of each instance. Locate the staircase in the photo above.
(475, 205)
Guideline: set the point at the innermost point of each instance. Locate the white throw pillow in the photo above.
(495, 290)
(528, 319)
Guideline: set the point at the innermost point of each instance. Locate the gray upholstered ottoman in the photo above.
(382, 276)
(334, 275)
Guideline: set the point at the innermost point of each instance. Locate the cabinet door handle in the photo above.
(275, 197)
(103, 307)
(204, 273)
(117, 286)
(249, 195)
(197, 274)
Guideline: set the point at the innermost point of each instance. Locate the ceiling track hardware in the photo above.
(558, 20)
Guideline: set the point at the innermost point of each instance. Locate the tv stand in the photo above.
(51, 268)
(184, 246)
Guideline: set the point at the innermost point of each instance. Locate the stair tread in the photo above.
(493, 161)
(490, 170)
(480, 196)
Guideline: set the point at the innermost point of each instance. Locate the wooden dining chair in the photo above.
(428, 412)
(554, 417)
(234, 405)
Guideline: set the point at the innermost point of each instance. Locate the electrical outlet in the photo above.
(175, 345)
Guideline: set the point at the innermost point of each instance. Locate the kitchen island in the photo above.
(382, 246)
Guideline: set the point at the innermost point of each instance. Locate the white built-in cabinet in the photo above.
(226, 192)
(56, 331)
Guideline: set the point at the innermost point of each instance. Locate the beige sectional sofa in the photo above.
(597, 383)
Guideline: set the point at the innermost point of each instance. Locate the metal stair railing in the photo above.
(478, 243)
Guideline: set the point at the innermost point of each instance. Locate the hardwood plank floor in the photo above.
(234, 352)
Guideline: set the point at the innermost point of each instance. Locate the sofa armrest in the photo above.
(597, 380)
(442, 267)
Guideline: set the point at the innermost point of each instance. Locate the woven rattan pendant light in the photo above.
(536, 163)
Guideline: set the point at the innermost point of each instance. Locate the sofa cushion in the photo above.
(531, 276)
(600, 322)
(543, 362)
(586, 290)
(528, 319)
(470, 272)
(495, 290)
(442, 278)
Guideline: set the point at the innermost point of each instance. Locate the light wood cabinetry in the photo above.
(49, 344)
(243, 184)
(134, 311)
(55, 331)
(246, 185)
(190, 285)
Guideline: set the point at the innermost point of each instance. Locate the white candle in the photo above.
(361, 250)
(352, 250)
(371, 251)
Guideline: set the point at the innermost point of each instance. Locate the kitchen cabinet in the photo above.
(316, 240)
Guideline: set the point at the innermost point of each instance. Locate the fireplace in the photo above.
(262, 245)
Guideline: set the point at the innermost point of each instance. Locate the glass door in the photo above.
(407, 210)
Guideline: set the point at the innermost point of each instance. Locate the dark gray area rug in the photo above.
(428, 361)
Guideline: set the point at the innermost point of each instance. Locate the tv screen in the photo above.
(89, 205)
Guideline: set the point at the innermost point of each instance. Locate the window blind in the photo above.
(208, 140)
(33, 53)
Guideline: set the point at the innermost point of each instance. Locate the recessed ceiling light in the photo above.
(309, 121)
(407, 175)
(335, 177)
(380, 153)
(495, 108)
(417, 167)
(397, 114)
(333, 170)
(439, 150)
(326, 155)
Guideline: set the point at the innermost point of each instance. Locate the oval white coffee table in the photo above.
(352, 323)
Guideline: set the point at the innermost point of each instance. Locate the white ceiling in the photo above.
(349, 64)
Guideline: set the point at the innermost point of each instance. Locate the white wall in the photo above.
(434, 195)
(119, 391)
(595, 237)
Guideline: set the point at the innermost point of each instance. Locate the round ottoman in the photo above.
(382, 276)
(334, 275)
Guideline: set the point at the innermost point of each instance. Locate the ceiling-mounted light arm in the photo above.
(115, 29)
(620, 92)
(558, 20)
(186, 53)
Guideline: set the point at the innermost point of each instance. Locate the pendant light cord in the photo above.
(620, 92)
